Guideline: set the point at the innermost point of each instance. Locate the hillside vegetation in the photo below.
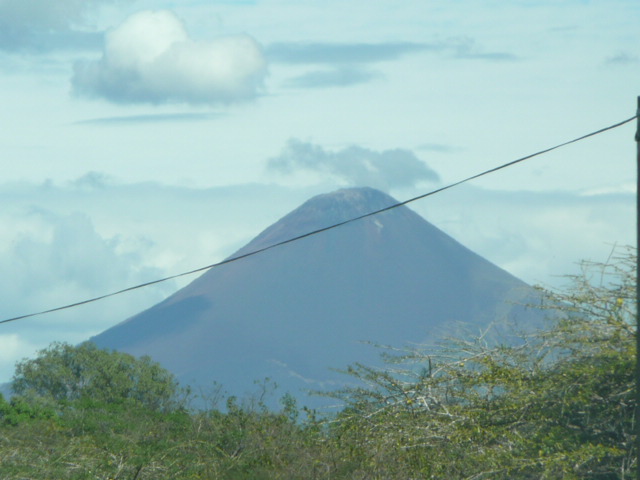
(556, 403)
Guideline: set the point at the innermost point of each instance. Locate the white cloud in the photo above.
(10, 345)
(151, 59)
(57, 259)
(357, 166)
(91, 236)
(13, 348)
(50, 259)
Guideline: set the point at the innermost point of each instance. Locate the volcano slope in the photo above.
(296, 312)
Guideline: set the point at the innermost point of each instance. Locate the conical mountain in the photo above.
(296, 311)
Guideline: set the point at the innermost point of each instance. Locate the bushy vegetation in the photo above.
(559, 403)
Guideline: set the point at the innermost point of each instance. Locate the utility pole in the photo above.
(637, 415)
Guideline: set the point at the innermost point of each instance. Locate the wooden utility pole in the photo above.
(637, 416)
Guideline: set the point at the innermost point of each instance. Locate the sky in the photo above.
(141, 139)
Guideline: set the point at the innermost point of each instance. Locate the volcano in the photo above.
(296, 312)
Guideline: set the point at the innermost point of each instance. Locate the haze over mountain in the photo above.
(296, 311)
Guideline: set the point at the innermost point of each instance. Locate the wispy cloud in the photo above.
(437, 148)
(44, 25)
(337, 77)
(463, 48)
(151, 59)
(345, 62)
(623, 58)
(342, 53)
(354, 165)
(151, 118)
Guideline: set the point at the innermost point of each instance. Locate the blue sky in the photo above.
(140, 139)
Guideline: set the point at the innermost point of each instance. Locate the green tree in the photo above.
(66, 373)
(17, 410)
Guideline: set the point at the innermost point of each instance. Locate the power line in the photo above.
(320, 230)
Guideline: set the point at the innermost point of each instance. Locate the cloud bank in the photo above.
(356, 166)
(48, 259)
(537, 236)
(151, 59)
(57, 258)
(346, 62)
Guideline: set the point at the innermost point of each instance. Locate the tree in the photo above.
(558, 404)
(66, 373)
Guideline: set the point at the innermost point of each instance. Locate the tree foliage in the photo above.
(65, 373)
